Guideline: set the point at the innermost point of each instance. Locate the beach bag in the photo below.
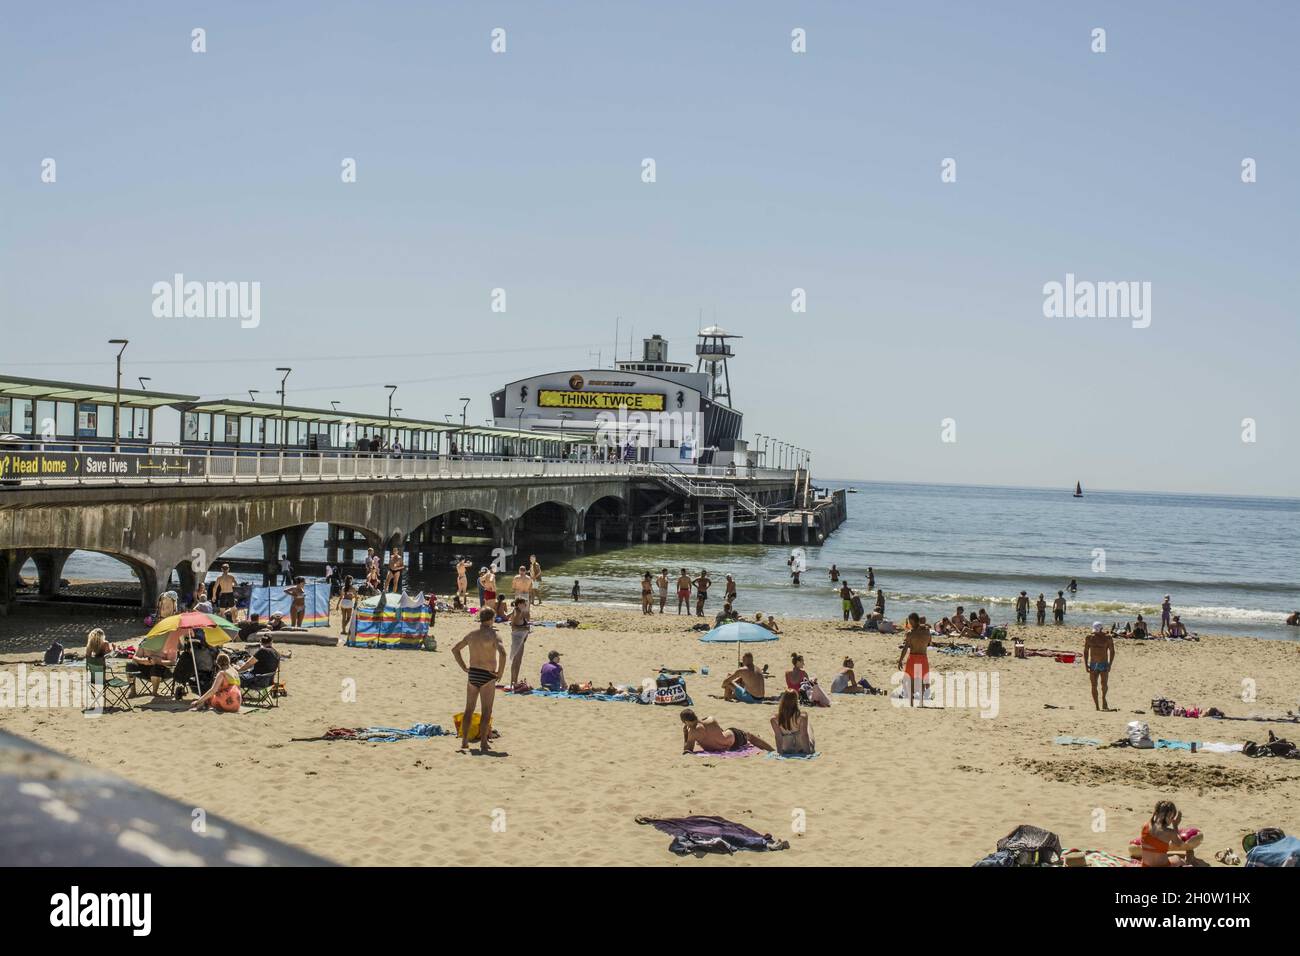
(1032, 846)
(671, 689)
(1139, 735)
(996, 649)
(1162, 707)
(1000, 858)
(473, 725)
(814, 693)
(998, 633)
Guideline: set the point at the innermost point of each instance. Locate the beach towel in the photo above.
(776, 756)
(1218, 747)
(1283, 852)
(380, 733)
(1067, 741)
(565, 695)
(1162, 744)
(1100, 858)
(700, 835)
(747, 751)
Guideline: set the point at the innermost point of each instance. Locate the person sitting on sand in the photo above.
(959, 619)
(1161, 834)
(711, 736)
(224, 694)
(552, 677)
(846, 682)
(250, 627)
(1098, 654)
(1140, 629)
(790, 727)
(984, 618)
(724, 616)
(501, 610)
(263, 661)
(945, 627)
(796, 675)
(916, 673)
(1177, 629)
(487, 662)
(772, 626)
(746, 685)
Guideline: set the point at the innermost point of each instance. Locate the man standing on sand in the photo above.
(224, 589)
(487, 662)
(1058, 608)
(286, 570)
(522, 584)
(1022, 608)
(535, 572)
(914, 660)
(683, 592)
(462, 578)
(701, 592)
(1041, 606)
(713, 737)
(1166, 609)
(661, 583)
(1098, 655)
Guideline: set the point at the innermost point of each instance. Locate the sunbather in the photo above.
(1161, 834)
(746, 685)
(790, 727)
(846, 682)
(713, 737)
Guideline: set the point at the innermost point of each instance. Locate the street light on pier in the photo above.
(391, 390)
(117, 401)
(463, 409)
(286, 372)
(143, 379)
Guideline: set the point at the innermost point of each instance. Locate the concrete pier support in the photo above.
(270, 557)
(699, 517)
(731, 522)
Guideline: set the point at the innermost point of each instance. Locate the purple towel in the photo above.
(746, 751)
(700, 835)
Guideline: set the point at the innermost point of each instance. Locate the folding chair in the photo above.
(259, 689)
(112, 689)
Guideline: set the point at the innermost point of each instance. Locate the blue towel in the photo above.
(565, 694)
(388, 734)
(1077, 741)
(1162, 744)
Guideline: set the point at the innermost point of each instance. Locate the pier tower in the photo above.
(712, 350)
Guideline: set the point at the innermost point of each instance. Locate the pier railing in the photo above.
(41, 466)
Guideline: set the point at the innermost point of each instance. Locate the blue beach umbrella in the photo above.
(739, 632)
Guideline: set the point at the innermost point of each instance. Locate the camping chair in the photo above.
(259, 689)
(113, 689)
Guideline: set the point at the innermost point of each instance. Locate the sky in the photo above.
(775, 170)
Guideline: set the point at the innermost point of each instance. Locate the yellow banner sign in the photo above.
(633, 401)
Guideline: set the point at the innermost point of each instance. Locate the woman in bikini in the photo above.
(347, 601)
(647, 586)
(913, 660)
(298, 597)
(795, 677)
(393, 579)
(790, 725)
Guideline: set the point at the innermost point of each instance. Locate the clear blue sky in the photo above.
(775, 171)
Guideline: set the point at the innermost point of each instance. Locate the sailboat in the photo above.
(1078, 490)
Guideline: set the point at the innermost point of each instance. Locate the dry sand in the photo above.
(893, 786)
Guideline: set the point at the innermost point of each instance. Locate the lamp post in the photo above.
(117, 401)
(334, 404)
(286, 372)
(391, 390)
(143, 379)
(463, 408)
(563, 417)
(252, 394)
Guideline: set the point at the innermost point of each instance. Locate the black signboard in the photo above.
(81, 466)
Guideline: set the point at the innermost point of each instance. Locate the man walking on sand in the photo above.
(1098, 655)
(487, 662)
(1058, 608)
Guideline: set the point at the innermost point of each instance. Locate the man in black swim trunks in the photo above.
(713, 737)
(701, 592)
(487, 662)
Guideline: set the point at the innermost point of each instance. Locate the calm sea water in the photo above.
(1231, 565)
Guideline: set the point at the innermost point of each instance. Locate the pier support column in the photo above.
(270, 557)
(699, 517)
(49, 570)
(293, 543)
(8, 581)
(803, 517)
(731, 522)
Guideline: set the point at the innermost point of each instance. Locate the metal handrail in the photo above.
(167, 465)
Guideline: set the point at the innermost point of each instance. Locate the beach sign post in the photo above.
(739, 632)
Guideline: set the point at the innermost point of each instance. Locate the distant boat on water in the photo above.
(1078, 489)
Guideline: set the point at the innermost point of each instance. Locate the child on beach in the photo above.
(1161, 834)
(577, 589)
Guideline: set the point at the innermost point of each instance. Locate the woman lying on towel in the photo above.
(790, 725)
(1161, 834)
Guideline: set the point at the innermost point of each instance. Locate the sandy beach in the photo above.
(893, 785)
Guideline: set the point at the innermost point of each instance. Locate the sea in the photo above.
(1229, 564)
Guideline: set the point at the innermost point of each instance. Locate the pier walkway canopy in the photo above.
(37, 411)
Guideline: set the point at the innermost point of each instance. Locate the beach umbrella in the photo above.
(164, 637)
(738, 632)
